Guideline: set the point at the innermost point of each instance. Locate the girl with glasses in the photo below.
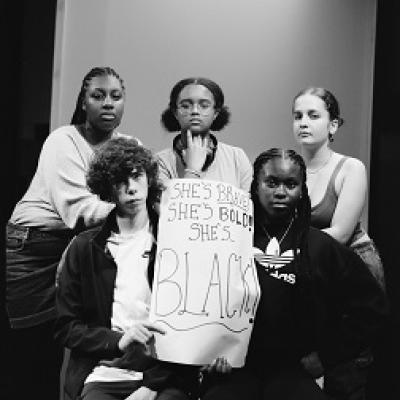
(196, 109)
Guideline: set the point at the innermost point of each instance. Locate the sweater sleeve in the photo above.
(65, 166)
(165, 166)
(71, 328)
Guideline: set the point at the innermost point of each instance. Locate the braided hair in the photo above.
(305, 302)
(302, 215)
(79, 115)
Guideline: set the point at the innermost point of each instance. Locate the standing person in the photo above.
(319, 305)
(337, 186)
(56, 205)
(103, 292)
(196, 108)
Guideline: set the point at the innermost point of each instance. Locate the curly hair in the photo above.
(168, 119)
(113, 164)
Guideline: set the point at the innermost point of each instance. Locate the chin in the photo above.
(197, 130)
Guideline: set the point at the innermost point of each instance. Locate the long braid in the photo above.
(303, 209)
(79, 115)
(305, 302)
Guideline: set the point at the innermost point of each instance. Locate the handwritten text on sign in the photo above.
(205, 288)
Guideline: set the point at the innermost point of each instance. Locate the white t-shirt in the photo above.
(131, 293)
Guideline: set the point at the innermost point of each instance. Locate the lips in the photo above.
(107, 116)
(280, 205)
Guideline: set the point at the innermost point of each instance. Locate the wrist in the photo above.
(193, 172)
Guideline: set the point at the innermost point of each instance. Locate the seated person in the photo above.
(103, 293)
(319, 305)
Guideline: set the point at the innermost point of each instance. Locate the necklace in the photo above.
(284, 234)
(314, 171)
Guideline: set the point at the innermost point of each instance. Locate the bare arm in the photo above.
(351, 200)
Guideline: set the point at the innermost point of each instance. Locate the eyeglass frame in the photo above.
(201, 109)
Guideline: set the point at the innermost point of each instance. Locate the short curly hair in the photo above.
(113, 163)
(168, 119)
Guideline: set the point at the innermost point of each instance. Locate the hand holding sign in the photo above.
(205, 288)
(140, 331)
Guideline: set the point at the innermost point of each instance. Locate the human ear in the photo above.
(333, 126)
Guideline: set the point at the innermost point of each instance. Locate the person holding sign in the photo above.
(103, 293)
(196, 108)
(205, 289)
(319, 305)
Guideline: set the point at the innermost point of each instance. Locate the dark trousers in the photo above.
(289, 382)
(348, 380)
(33, 360)
(237, 385)
(33, 363)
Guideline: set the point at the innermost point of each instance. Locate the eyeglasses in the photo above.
(203, 107)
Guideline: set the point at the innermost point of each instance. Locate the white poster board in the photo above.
(205, 288)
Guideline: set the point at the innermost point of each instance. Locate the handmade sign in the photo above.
(205, 288)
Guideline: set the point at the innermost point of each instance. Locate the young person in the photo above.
(56, 205)
(319, 305)
(103, 293)
(196, 109)
(337, 186)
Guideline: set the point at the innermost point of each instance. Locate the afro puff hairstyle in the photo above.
(168, 119)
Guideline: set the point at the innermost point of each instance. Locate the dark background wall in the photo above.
(384, 217)
(28, 58)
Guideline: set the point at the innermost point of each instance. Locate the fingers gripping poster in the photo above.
(205, 287)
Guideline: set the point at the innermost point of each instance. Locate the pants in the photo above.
(348, 380)
(33, 362)
(237, 385)
(32, 355)
(109, 390)
(291, 384)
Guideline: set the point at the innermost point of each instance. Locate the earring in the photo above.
(330, 137)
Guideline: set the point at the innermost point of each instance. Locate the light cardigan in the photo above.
(58, 197)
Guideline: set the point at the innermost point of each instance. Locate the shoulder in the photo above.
(62, 133)
(63, 136)
(166, 154)
(321, 242)
(123, 135)
(236, 151)
(83, 238)
(328, 253)
(353, 165)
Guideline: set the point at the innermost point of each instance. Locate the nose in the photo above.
(108, 102)
(304, 120)
(195, 108)
(280, 191)
(131, 186)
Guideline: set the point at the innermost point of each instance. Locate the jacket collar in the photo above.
(110, 225)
